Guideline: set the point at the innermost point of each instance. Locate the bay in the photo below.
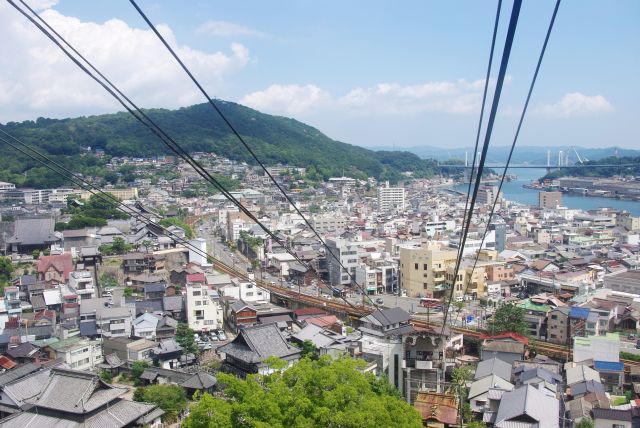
(513, 191)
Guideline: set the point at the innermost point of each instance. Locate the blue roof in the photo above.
(608, 366)
(582, 313)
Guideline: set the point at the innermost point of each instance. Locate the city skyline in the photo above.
(386, 76)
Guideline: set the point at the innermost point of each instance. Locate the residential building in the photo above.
(527, 406)
(324, 223)
(111, 321)
(55, 268)
(128, 349)
(423, 269)
(391, 199)
(78, 353)
(549, 200)
(82, 284)
(145, 326)
(204, 311)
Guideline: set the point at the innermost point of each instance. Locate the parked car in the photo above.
(379, 301)
(638, 344)
(222, 335)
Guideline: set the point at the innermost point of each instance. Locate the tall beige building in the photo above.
(428, 271)
(423, 269)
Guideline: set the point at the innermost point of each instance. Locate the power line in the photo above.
(513, 23)
(75, 179)
(241, 139)
(484, 99)
(515, 138)
(144, 119)
(84, 184)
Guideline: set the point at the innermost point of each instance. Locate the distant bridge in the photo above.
(541, 166)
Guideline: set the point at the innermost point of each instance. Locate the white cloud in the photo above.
(577, 104)
(37, 79)
(454, 97)
(227, 29)
(288, 99)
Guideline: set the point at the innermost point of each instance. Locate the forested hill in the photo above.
(610, 166)
(274, 139)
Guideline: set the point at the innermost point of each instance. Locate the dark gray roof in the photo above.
(34, 231)
(493, 366)
(155, 287)
(27, 279)
(388, 316)
(149, 305)
(256, 344)
(529, 401)
(586, 387)
(200, 380)
(167, 346)
(149, 375)
(23, 350)
(37, 301)
(612, 414)
(77, 392)
(172, 303)
(240, 305)
(88, 328)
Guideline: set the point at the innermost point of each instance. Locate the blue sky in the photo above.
(371, 73)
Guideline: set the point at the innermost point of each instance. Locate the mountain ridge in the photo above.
(274, 139)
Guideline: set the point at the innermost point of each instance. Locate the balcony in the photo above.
(415, 363)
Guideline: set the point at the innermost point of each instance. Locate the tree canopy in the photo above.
(170, 398)
(311, 393)
(93, 213)
(508, 318)
(184, 337)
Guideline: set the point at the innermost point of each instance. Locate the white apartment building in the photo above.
(204, 311)
(78, 353)
(391, 198)
(328, 223)
(81, 283)
(246, 291)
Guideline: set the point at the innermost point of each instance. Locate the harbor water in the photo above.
(513, 191)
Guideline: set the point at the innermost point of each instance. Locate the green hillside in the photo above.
(274, 139)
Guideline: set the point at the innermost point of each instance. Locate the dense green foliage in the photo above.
(508, 318)
(184, 337)
(175, 221)
(170, 398)
(319, 393)
(274, 139)
(629, 356)
(6, 272)
(93, 213)
(601, 171)
(137, 368)
(118, 246)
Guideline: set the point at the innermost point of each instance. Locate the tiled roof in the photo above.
(60, 262)
(75, 392)
(256, 344)
(200, 380)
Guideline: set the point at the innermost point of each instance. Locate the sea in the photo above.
(513, 191)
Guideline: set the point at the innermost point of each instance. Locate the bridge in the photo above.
(621, 165)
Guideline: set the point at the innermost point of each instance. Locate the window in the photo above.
(249, 285)
(249, 294)
(198, 303)
(196, 292)
(617, 426)
(425, 266)
(205, 302)
(415, 266)
(208, 322)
